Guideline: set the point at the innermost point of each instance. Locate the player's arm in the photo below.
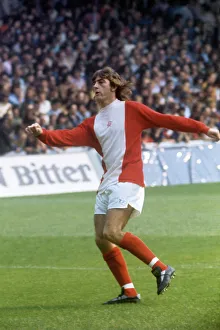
(151, 118)
(79, 136)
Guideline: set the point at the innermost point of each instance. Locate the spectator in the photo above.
(32, 146)
(169, 53)
(55, 108)
(78, 81)
(73, 115)
(44, 106)
(5, 112)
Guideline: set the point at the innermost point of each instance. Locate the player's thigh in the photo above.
(116, 219)
(125, 201)
(101, 207)
(125, 194)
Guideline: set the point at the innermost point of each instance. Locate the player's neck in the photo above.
(105, 102)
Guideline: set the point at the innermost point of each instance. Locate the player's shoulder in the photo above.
(131, 102)
(133, 105)
(89, 121)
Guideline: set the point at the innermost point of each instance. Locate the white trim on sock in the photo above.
(153, 262)
(128, 286)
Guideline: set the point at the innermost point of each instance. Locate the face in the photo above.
(102, 90)
(42, 97)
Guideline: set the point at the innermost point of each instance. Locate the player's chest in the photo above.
(109, 125)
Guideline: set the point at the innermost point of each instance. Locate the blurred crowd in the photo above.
(48, 53)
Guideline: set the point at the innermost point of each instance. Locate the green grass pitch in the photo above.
(52, 276)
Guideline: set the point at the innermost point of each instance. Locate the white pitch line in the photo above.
(183, 266)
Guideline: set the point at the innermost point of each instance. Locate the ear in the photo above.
(113, 88)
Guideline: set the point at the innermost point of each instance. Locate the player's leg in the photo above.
(113, 231)
(116, 220)
(103, 244)
(113, 256)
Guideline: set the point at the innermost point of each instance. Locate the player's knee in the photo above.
(111, 235)
(99, 241)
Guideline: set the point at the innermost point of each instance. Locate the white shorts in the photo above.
(119, 196)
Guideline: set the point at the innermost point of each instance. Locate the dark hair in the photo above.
(123, 87)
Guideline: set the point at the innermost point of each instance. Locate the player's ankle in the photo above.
(160, 264)
(130, 292)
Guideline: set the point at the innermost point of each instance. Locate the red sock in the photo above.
(118, 267)
(136, 246)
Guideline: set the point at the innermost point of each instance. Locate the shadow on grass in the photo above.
(43, 307)
(212, 321)
(76, 306)
(210, 326)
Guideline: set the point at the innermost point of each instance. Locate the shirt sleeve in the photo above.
(150, 118)
(81, 136)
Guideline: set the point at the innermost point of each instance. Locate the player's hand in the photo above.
(214, 134)
(34, 129)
